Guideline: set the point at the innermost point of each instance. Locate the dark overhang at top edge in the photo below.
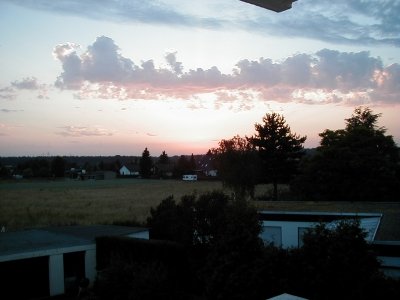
(274, 5)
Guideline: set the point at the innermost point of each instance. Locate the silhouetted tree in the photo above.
(145, 164)
(223, 237)
(58, 166)
(192, 163)
(163, 159)
(237, 161)
(279, 149)
(182, 166)
(335, 257)
(357, 163)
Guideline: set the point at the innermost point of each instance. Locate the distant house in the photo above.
(46, 262)
(205, 164)
(128, 170)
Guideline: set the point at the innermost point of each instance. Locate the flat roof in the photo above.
(312, 216)
(44, 241)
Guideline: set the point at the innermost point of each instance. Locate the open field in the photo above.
(42, 203)
(29, 204)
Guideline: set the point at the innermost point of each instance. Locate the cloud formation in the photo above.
(324, 77)
(29, 84)
(351, 22)
(83, 131)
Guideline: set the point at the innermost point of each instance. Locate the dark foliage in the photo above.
(237, 163)
(333, 258)
(146, 164)
(141, 269)
(358, 163)
(58, 166)
(279, 150)
(219, 256)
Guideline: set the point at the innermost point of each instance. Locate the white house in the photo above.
(127, 171)
(46, 262)
(286, 228)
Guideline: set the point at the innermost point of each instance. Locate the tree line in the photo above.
(359, 162)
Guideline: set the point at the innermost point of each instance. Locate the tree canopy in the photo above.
(279, 149)
(146, 164)
(356, 163)
(236, 161)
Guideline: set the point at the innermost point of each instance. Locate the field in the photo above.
(27, 204)
(30, 204)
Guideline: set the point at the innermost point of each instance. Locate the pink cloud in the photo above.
(340, 77)
(83, 131)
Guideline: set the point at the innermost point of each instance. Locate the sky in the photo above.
(98, 77)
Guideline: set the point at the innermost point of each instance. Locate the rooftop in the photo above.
(19, 243)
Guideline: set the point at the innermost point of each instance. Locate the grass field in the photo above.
(40, 203)
(30, 204)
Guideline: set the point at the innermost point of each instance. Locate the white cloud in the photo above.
(324, 77)
(7, 93)
(83, 131)
(28, 83)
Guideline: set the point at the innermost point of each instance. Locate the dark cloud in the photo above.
(5, 110)
(342, 21)
(348, 22)
(327, 76)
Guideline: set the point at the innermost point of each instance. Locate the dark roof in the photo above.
(58, 237)
(275, 5)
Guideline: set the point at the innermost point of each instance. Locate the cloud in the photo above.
(358, 22)
(29, 83)
(83, 131)
(350, 22)
(151, 134)
(152, 12)
(7, 93)
(4, 110)
(328, 76)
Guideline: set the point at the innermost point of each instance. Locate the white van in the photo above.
(189, 177)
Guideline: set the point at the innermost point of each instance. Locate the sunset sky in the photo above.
(89, 77)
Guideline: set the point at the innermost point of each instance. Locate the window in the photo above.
(302, 231)
(273, 235)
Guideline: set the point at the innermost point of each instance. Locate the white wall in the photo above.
(289, 230)
(56, 274)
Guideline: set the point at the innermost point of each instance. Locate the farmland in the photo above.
(31, 204)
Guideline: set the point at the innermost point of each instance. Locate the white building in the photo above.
(286, 228)
(46, 262)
